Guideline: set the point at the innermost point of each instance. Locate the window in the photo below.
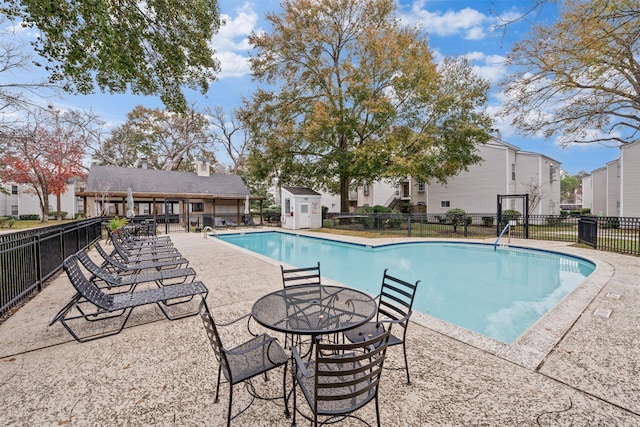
(445, 203)
(14, 189)
(421, 186)
(14, 210)
(365, 190)
(552, 173)
(112, 209)
(513, 171)
(197, 207)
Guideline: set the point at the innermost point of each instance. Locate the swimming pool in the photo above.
(495, 293)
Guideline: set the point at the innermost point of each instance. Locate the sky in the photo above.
(455, 28)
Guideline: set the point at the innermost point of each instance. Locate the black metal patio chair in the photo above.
(240, 363)
(291, 277)
(394, 306)
(340, 379)
(93, 304)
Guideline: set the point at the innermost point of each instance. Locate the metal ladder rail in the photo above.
(495, 245)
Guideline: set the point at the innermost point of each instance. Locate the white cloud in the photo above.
(231, 43)
(467, 22)
(489, 67)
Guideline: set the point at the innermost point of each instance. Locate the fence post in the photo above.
(409, 225)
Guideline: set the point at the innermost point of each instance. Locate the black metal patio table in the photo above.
(314, 309)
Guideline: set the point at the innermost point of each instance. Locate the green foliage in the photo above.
(7, 221)
(157, 47)
(510, 215)
(54, 214)
(568, 185)
(455, 217)
(116, 223)
(272, 213)
(612, 222)
(487, 221)
(351, 95)
(569, 75)
(554, 221)
(169, 141)
(30, 217)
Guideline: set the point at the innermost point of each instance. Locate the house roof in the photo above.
(115, 179)
(301, 191)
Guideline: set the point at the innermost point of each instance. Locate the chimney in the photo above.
(202, 167)
(143, 163)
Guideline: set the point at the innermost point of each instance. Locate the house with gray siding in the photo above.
(160, 192)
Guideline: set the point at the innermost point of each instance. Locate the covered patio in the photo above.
(163, 373)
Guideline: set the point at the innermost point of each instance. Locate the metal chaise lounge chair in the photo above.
(340, 379)
(141, 256)
(131, 246)
(95, 305)
(111, 280)
(219, 222)
(122, 267)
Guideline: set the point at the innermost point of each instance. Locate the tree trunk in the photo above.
(58, 207)
(344, 193)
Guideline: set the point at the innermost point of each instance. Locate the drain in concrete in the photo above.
(602, 312)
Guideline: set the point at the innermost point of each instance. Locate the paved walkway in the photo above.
(163, 373)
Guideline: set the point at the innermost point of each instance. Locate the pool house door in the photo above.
(304, 218)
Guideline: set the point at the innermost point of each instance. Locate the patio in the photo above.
(160, 372)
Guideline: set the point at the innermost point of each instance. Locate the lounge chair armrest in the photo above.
(300, 363)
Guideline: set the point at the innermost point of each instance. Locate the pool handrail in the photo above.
(506, 227)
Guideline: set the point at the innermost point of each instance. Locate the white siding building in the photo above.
(505, 169)
(630, 180)
(614, 189)
(20, 201)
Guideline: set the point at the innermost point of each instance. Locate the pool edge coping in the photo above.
(532, 347)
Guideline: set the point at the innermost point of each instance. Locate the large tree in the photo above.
(151, 47)
(168, 141)
(45, 153)
(579, 78)
(350, 95)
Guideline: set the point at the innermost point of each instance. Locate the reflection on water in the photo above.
(496, 293)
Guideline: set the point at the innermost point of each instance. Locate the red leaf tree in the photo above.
(45, 154)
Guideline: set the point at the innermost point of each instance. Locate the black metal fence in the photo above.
(615, 234)
(28, 258)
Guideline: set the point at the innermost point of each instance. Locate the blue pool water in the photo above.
(499, 293)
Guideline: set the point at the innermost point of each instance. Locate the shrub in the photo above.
(7, 221)
(116, 223)
(510, 215)
(455, 217)
(30, 217)
(78, 215)
(554, 221)
(369, 221)
(272, 213)
(585, 211)
(487, 221)
(54, 214)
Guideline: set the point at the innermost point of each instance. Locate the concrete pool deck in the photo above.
(577, 368)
